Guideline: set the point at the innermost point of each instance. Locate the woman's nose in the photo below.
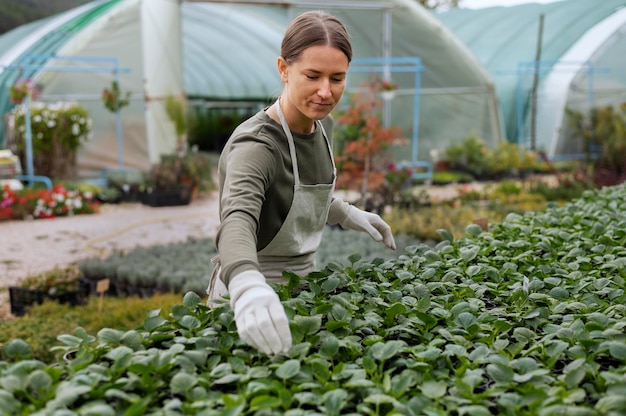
(324, 89)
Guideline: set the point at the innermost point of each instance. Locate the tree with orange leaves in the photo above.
(361, 141)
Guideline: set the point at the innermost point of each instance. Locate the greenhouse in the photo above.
(94, 45)
(577, 50)
(222, 55)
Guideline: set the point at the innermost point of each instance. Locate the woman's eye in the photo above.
(311, 76)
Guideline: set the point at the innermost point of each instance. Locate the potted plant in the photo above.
(197, 170)
(361, 143)
(62, 284)
(113, 98)
(58, 130)
(388, 90)
(22, 89)
(165, 185)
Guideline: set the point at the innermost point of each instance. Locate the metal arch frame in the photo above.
(384, 65)
(406, 65)
(113, 67)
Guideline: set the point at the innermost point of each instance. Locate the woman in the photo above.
(276, 180)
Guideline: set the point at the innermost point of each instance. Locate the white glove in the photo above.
(371, 223)
(259, 315)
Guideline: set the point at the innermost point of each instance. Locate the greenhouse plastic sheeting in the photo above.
(229, 53)
(575, 33)
(145, 37)
(458, 97)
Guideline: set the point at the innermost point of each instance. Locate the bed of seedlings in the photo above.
(524, 319)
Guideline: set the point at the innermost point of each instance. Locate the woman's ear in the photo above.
(282, 68)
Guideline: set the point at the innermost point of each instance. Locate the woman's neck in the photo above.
(302, 126)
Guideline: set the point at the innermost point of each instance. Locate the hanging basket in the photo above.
(387, 95)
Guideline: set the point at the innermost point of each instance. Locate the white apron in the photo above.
(294, 246)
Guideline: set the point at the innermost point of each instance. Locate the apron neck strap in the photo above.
(292, 147)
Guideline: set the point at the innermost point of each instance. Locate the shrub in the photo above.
(473, 156)
(470, 155)
(57, 280)
(493, 202)
(603, 133)
(58, 130)
(43, 323)
(361, 142)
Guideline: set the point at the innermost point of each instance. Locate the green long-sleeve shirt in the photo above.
(256, 183)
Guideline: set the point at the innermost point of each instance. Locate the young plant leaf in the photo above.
(288, 369)
(18, 349)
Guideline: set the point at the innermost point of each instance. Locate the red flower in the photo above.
(388, 86)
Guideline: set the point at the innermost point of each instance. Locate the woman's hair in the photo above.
(314, 28)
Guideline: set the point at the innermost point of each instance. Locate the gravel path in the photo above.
(30, 247)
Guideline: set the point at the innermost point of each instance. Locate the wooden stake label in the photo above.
(483, 223)
(101, 287)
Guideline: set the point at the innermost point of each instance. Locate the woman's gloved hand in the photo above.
(259, 315)
(371, 223)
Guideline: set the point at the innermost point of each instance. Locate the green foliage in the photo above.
(186, 266)
(59, 124)
(603, 132)
(571, 189)
(113, 98)
(447, 177)
(338, 244)
(84, 187)
(209, 128)
(176, 109)
(425, 222)
(193, 169)
(526, 319)
(22, 89)
(472, 156)
(509, 158)
(42, 324)
(199, 166)
(493, 202)
(57, 280)
(124, 184)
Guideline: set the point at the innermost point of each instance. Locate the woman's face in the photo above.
(313, 85)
